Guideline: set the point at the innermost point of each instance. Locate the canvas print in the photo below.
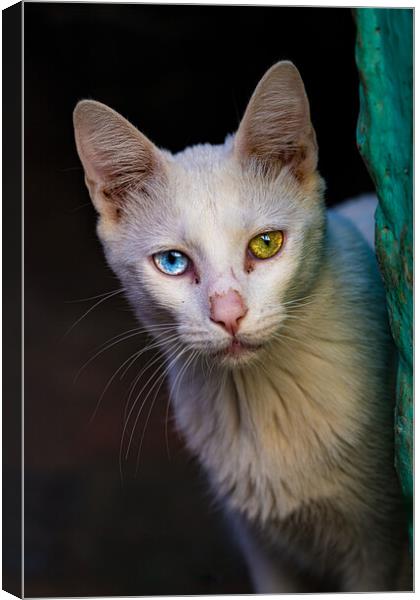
(216, 299)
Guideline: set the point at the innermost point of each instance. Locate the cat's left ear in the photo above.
(276, 129)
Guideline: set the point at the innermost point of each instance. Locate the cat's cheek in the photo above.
(166, 297)
(174, 293)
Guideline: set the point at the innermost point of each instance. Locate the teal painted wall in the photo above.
(384, 54)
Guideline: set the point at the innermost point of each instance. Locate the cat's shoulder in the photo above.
(350, 246)
(357, 212)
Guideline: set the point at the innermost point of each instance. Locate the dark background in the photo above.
(183, 75)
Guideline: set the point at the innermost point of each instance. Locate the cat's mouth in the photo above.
(238, 347)
(237, 350)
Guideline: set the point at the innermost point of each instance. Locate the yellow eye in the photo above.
(266, 245)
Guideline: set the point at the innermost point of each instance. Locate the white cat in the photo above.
(281, 371)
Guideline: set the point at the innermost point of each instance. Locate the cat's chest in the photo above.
(263, 440)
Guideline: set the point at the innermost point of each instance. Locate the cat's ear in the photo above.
(116, 157)
(276, 129)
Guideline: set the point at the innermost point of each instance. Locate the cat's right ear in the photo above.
(116, 157)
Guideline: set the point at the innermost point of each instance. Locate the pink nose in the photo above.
(227, 310)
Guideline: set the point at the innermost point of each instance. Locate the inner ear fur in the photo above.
(276, 129)
(116, 157)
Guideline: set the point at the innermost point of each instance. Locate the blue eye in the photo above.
(171, 262)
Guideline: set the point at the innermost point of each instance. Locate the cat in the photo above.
(281, 371)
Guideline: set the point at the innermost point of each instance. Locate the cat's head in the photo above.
(215, 242)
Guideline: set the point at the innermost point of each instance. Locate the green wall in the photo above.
(384, 54)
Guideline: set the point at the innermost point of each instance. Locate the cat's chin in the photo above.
(237, 353)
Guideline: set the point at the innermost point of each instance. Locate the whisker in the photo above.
(109, 382)
(168, 403)
(131, 359)
(174, 386)
(127, 420)
(298, 300)
(159, 329)
(92, 297)
(310, 350)
(159, 379)
(108, 347)
(162, 379)
(147, 366)
(212, 364)
(152, 346)
(85, 314)
(143, 402)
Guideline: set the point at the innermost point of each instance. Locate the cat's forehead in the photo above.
(210, 189)
(205, 188)
(204, 156)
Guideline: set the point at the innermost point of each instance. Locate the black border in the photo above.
(12, 299)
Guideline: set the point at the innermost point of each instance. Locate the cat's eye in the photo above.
(171, 262)
(266, 245)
